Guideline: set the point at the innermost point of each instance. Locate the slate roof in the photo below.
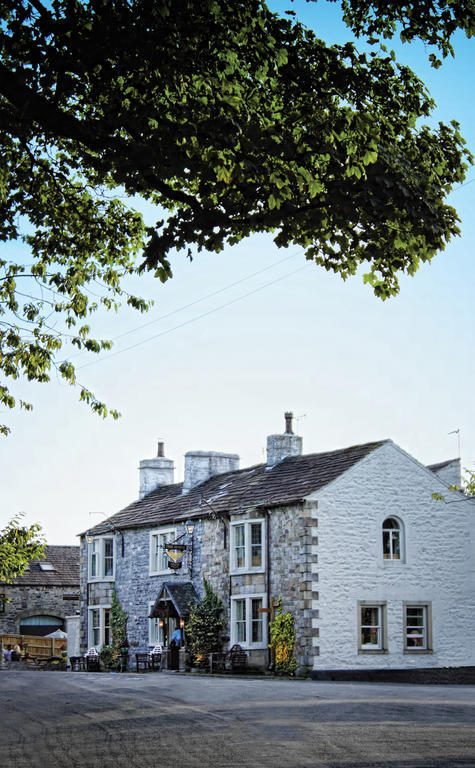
(441, 465)
(65, 561)
(291, 480)
(181, 593)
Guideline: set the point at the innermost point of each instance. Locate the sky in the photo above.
(236, 339)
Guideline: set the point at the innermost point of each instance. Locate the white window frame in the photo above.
(155, 631)
(426, 633)
(247, 567)
(101, 626)
(248, 644)
(97, 546)
(382, 645)
(170, 534)
(391, 531)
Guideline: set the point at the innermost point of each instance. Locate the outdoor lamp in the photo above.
(182, 623)
(190, 525)
(161, 623)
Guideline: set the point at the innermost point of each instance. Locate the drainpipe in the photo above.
(269, 651)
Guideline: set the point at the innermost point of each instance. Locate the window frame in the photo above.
(248, 644)
(427, 614)
(160, 637)
(96, 553)
(402, 549)
(382, 646)
(247, 567)
(154, 533)
(101, 627)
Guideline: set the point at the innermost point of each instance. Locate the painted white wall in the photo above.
(439, 563)
(72, 630)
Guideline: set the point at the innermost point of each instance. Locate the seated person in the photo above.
(7, 653)
(16, 652)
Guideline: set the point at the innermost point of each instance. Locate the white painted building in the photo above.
(396, 569)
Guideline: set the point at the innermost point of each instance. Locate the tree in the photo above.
(118, 618)
(233, 120)
(111, 654)
(204, 625)
(19, 545)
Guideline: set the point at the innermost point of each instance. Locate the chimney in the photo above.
(449, 472)
(201, 465)
(155, 472)
(281, 446)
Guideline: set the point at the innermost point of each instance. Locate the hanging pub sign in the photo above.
(175, 554)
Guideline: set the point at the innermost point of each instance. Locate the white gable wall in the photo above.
(438, 568)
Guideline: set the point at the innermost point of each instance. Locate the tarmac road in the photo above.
(56, 719)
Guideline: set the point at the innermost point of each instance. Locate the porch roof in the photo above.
(179, 594)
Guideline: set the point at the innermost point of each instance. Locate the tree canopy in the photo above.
(232, 120)
(19, 545)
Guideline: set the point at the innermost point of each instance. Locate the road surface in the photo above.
(56, 719)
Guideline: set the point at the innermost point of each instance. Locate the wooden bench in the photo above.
(234, 660)
(237, 658)
(148, 661)
(143, 660)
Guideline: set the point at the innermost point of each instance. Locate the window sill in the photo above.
(245, 647)
(161, 573)
(99, 579)
(417, 651)
(371, 651)
(247, 571)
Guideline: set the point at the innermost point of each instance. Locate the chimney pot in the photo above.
(288, 423)
(160, 451)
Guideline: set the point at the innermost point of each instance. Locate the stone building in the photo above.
(39, 601)
(377, 574)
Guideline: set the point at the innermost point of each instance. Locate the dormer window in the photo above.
(392, 539)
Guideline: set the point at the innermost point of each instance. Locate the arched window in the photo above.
(392, 539)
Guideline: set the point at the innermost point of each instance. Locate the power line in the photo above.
(208, 296)
(196, 301)
(194, 319)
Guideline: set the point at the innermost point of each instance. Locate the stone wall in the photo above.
(26, 601)
(438, 566)
(291, 564)
(293, 560)
(136, 589)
